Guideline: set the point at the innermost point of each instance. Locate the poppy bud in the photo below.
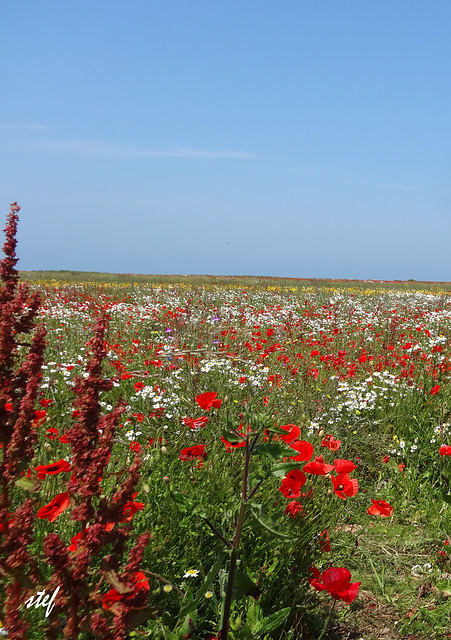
(166, 479)
(163, 449)
(321, 433)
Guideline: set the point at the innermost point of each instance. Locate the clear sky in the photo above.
(302, 138)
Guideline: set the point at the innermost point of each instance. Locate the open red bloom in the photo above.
(197, 452)
(380, 508)
(318, 467)
(435, 390)
(112, 596)
(344, 486)
(208, 400)
(337, 581)
(45, 403)
(293, 432)
(304, 449)
(233, 445)
(54, 508)
(291, 485)
(52, 469)
(330, 442)
(445, 450)
(130, 508)
(344, 466)
(195, 423)
(324, 542)
(139, 385)
(52, 433)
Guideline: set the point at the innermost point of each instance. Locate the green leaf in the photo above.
(274, 450)
(231, 436)
(27, 484)
(183, 503)
(281, 469)
(194, 603)
(275, 620)
(446, 497)
(140, 616)
(244, 586)
(267, 523)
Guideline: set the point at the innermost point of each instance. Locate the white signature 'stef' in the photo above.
(42, 600)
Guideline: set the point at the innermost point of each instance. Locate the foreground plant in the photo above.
(266, 451)
(79, 599)
(20, 378)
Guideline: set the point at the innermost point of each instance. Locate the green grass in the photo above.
(395, 600)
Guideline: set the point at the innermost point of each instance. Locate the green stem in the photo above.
(326, 624)
(235, 546)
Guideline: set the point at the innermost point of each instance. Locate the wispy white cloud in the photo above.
(14, 126)
(114, 150)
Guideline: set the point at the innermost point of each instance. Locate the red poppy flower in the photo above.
(233, 445)
(195, 423)
(291, 485)
(130, 508)
(344, 466)
(39, 414)
(294, 508)
(8, 406)
(324, 542)
(331, 443)
(126, 376)
(74, 542)
(318, 467)
(45, 403)
(386, 459)
(208, 400)
(380, 508)
(293, 432)
(52, 469)
(435, 390)
(197, 452)
(139, 385)
(337, 581)
(52, 433)
(112, 596)
(445, 450)
(54, 508)
(304, 449)
(344, 486)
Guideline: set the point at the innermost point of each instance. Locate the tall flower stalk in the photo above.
(91, 442)
(21, 358)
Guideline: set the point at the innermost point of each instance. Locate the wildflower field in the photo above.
(223, 458)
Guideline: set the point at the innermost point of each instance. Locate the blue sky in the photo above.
(298, 138)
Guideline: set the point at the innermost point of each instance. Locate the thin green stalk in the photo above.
(235, 546)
